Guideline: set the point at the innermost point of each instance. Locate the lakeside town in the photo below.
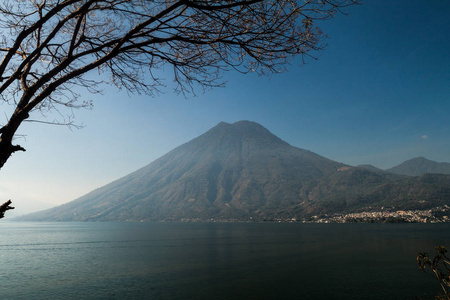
(439, 214)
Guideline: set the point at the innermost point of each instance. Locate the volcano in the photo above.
(242, 172)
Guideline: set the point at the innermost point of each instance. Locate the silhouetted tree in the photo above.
(49, 46)
(439, 265)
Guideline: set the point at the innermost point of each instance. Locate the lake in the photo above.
(216, 260)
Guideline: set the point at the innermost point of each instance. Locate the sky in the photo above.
(378, 94)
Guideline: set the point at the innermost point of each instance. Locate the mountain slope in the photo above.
(370, 168)
(243, 172)
(419, 166)
(230, 171)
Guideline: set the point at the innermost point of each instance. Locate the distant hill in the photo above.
(419, 166)
(242, 172)
(370, 168)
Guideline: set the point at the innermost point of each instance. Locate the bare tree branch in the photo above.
(49, 46)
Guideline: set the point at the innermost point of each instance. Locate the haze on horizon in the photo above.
(378, 94)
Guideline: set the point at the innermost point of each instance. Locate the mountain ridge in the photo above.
(242, 172)
(420, 165)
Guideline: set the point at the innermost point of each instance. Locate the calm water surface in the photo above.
(215, 261)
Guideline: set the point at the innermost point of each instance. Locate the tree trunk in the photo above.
(4, 207)
(7, 134)
(6, 149)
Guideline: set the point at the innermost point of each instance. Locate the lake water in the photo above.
(216, 261)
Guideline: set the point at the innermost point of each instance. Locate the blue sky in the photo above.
(378, 94)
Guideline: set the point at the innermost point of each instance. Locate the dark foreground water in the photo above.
(215, 261)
